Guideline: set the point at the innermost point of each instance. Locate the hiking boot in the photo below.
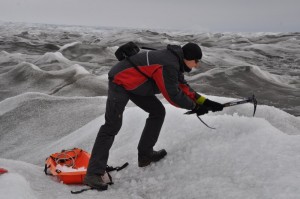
(95, 181)
(154, 156)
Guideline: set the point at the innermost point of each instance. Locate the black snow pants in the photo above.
(117, 99)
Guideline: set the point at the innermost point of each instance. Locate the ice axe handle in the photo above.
(251, 99)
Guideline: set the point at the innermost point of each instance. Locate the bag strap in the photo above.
(108, 169)
(147, 48)
(82, 190)
(137, 68)
(46, 169)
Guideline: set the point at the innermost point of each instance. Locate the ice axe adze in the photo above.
(251, 99)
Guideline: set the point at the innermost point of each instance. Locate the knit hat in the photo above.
(191, 51)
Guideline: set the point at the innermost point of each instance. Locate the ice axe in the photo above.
(251, 99)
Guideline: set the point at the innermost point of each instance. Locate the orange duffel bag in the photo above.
(69, 166)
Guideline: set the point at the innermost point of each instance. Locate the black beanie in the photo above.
(191, 51)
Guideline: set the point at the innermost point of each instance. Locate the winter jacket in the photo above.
(165, 67)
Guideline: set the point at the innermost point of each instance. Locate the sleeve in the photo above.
(188, 91)
(167, 81)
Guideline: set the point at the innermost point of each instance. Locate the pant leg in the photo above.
(115, 105)
(154, 122)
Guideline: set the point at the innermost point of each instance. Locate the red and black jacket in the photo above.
(165, 68)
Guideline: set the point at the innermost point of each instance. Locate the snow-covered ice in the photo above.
(53, 86)
(245, 157)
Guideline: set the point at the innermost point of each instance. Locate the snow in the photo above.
(20, 190)
(66, 169)
(52, 57)
(245, 157)
(68, 46)
(53, 83)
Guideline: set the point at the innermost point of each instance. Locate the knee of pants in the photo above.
(158, 112)
(110, 129)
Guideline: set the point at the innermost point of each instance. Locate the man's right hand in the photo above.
(199, 110)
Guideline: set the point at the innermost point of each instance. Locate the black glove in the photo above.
(213, 106)
(199, 110)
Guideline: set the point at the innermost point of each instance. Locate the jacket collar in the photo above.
(177, 51)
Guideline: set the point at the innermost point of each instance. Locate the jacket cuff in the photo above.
(200, 100)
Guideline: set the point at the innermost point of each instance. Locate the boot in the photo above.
(154, 156)
(95, 181)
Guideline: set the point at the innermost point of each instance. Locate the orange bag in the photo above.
(69, 166)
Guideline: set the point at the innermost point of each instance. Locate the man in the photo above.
(161, 71)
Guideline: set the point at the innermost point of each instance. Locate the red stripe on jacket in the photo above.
(130, 79)
(159, 80)
(186, 90)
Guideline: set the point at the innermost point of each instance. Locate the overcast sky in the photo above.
(209, 15)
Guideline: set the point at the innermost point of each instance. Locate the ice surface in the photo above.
(237, 64)
(53, 86)
(13, 185)
(245, 157)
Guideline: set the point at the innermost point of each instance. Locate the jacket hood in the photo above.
(177, 51)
